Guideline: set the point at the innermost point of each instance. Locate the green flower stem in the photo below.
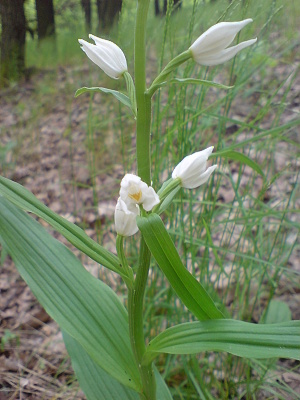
(136, 323)
(168, 189)
(128, 278)
(173, 64)
(143, 125)
(143, 100)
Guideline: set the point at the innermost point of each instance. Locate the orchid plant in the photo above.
(110, 354)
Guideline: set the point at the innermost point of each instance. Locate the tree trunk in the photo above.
(12, 40)
(108, 10)
(177, 4)
(45, 18)
(156, 7)
(86, 6)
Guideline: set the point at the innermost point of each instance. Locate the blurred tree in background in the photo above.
(87, 9)
(13, 37)
(42, 21)
(45, 18)
(176, 4)
(108, 10)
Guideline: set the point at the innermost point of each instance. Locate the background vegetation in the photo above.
(239, 234)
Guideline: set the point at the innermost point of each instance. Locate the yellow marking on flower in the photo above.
(136, 196)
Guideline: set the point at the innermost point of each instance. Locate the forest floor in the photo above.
(46, 150)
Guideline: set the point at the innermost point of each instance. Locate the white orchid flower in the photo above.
(107, 55)
(192, 169)
(211, 48)
(125, 220)
(134, 191)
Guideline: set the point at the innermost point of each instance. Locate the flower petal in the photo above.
(150, 199)
(225, 55)
(107, 55)
(125, 220)
(218, 36)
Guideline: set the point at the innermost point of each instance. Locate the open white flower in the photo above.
(192, 169)
(125, 220)
(211, 48)
(107, 55)
(134, 191)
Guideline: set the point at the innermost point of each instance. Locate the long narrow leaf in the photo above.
(192, 81)
(240, 338)
(190, 291)
(93, 380)
(24, 199)
(82, 305)
(118, 95)
(97, 384)
(188, 81)
(236, 156)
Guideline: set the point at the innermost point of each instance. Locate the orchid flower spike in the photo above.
(107, 55)
(211, 48)
(125, 220)
(192, 169)
(134, 191)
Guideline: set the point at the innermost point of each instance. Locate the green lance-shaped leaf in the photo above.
(236, 156)
(187, 81)
(192, 81)
(189, 290)
(83, 306)
(240, 338)
(24, 199)
(121, 97)
(97, 384)
(94, 381)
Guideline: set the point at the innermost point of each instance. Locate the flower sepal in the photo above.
(211, 48)
(106, 54)
(192, 170)
(167, 192)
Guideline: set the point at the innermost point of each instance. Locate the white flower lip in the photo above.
(192, 169)
(107, 55)
(211, 48)
(134, 191)
(125, 220)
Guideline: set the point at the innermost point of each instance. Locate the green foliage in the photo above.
(84, 307)
(239, 247)
(95, 382)
(188, 289)
(27, 201)
(121, 97)
(236, 337)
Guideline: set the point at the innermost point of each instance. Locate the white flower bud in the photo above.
(107, 55)
(125, 220)
(211, 47)
(135, 191)
(192, 169)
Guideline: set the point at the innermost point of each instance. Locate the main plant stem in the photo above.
(143, 125)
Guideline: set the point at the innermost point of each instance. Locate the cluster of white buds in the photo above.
(191, 172)
(211, 48)
(133, 193)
